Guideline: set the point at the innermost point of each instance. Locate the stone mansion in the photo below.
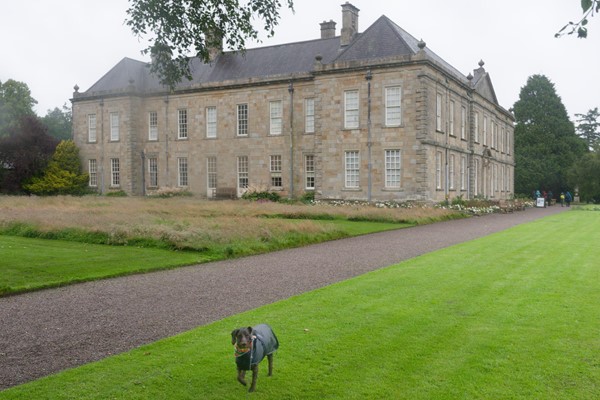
(373, 115)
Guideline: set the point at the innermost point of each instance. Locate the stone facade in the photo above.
(356, 123)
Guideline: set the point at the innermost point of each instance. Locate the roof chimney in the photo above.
(349, 23)
(327, 29)
(214, 44)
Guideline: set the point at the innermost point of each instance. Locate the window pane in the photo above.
(392, 168)
(114, 126)
(182, 179)
(153, 172)
(351, 109)
(211, 122)
(93, 172)
(352, 169)
(153, 125)
(211, 168)
(276, 112)
(182, 130)
(393, 106)
(309, 166)
(243, 172)
(115, 172)
(92, 128)
(242, 119)
(309, 110)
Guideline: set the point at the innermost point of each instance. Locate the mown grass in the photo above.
(31, 264)
(510, 316)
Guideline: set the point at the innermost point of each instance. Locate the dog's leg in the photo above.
(254, 377)
(270, 360)
(241, 377)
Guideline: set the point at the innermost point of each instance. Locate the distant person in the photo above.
(568, 198)
(550, 197)
(537, 194)
(562, 199)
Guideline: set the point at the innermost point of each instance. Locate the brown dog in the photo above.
(251, 346)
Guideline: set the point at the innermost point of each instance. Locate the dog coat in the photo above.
(264, 342)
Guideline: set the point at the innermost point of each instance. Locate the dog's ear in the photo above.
(233, 335)
(250, 330)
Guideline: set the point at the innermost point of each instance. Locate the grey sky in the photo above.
(53, 45)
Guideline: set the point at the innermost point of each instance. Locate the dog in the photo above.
(251, 347)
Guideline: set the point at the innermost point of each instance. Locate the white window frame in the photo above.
(393, 106)
(351, 109)
(275, 117)
(393, 168)
(451, 118)
(309, 115)
(463, 173)
(153, 125)
(275, 168)
(352, 169)
(152, 172)
(182, 172)
(451, 168)
(463, 122)
(114, 126)
(93, 172)
(243, 172)
(182, 123)
(438, 170)
(211, 122)
(309, 171)
(438, 112)
(242, 120)
(211, 173)
(115, 172)
(92, 131)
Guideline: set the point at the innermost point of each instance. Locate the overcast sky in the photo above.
(53, 45)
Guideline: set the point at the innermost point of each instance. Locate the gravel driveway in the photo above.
(47, 331)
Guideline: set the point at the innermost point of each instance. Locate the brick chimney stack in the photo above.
(328, 29)
(349, 23)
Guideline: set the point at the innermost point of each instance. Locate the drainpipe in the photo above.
(291, 91)
(368, 77)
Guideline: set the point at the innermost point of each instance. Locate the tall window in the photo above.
(242, 119)
(92, 128)
(392, 168)
(243, 173)
(211, 122)
(153, 172)
(152, 125)
(93, 172)
(438, 113)
(352, 169)
(182, 124)
(494, 135)
(309, 116)
(451, 172)
(485, 132)
(115, 172)
(351, 109)
(463, 173)
(275, 168)
(309, 171)
(451, 118)
(182, 171)
(476, 127)
(507, 142)
(276, 117)
(438, 170)
(211, 172)
(463, 123)
(114, 126)
(393, 106)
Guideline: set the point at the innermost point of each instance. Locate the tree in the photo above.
(589, 7)
(24, 153)
(585, 175)
(15, 103)
(183, 26)
(588, 127)
(63, 174)
(545, 141)
(59, 122)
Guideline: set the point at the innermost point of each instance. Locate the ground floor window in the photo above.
(93, 172)
(153, 172)
(392, 169)
(115, 172)
(309, 171)
(352, 169)
(243, 174)
(211, 172)
(275, 168)
(438, 170)
(182, 171)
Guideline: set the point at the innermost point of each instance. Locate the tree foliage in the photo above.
(589, 8)
(546, 145)
(588, 127)
(15, 103)
(181, 27)
(62, 175)
(59, 122)
(585, 176)
(24, 153)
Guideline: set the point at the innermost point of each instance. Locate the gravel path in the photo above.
(47, 331)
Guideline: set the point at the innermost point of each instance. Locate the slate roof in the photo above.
(383, 39)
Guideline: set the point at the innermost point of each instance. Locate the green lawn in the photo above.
(30, 264)
(514, 315)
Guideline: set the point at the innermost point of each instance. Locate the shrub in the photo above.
(262, 195)
(116, 193)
